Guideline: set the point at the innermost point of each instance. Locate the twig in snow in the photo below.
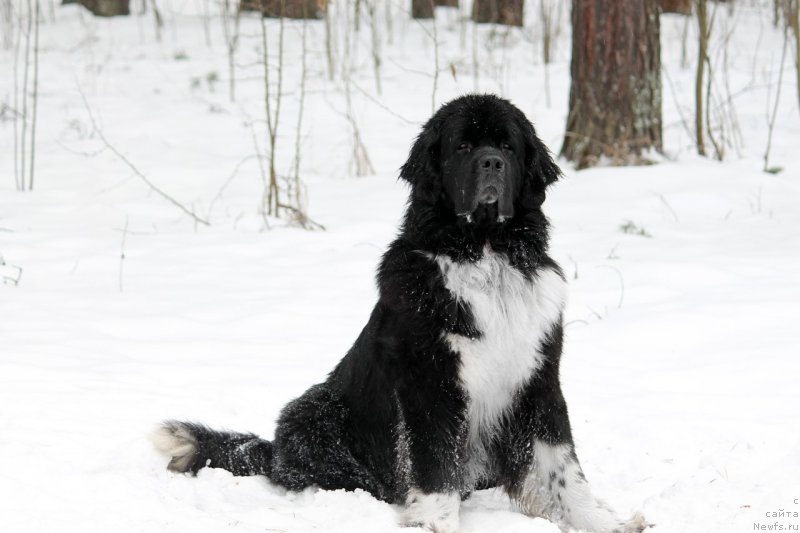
(228, 181)
(9, 280)
(621, 283)
(135, 170)
(122, 252)
(382, 105)
(576, 321)
(669, 207)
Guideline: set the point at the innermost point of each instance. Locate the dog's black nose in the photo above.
(491, 162)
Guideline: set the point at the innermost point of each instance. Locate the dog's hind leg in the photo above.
(313, 447)
(193, 446)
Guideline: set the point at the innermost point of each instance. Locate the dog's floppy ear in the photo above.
(423, 159)
(541, 170)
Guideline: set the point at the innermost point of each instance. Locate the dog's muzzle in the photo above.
(493, 201)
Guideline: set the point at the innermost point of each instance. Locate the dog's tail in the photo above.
(193, 446)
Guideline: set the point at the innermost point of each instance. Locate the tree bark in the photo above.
(250, 5)
(702, 55)
(682, 7)
(422, 9)
(293, 9)
(103, 8)
(792, 14)
(508, 12)
(447, 3)
(615, 94)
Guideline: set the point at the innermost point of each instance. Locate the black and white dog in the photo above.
(453, 384)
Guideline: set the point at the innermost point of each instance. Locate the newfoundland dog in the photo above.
(453, 384)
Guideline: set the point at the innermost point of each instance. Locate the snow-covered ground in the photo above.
(681, 366)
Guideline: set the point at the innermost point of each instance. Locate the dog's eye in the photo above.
(507, 147)
(464, 146)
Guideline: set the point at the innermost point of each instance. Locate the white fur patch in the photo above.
(437, 511)
(556, 489)
(175, 442)
(514, 315)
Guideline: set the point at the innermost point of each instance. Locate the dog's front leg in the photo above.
(431, 444)
(547, 479)
(556, 488)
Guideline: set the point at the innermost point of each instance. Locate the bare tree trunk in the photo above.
(104, 8)
(361, 164)
(230, 29)
(296, 185)
(24, 135)
(329, 44)
(372, 11)
(702, 54)
(158, 20)
(7, 14)
(295, 194)
(550, 16)
(436, 68)
(422, 9)
(682, 7)
(294, 9)
(508, 12)
(771, 120)
(35, 95)
(615, 95)
(447, 3)
(684, 42)
(250, 5)
(16, 114)
(206, 24)
(271, 197)
(793, 21)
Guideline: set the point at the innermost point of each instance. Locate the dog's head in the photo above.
(480, 155)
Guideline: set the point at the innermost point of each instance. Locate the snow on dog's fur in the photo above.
(453, 384)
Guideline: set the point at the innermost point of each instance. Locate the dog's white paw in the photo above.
(437, 511)
(635, 524)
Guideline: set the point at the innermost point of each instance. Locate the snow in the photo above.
(680, 368)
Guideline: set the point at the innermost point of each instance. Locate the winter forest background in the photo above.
(193, 199)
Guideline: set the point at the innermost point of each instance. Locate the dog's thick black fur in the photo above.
(453, 384)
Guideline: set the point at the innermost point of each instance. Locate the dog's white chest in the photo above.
(513, 315)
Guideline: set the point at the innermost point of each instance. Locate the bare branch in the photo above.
(135, 170)
(25, 96)
(777, 99)
(382, 105)
(621, 283)
(229, 180)
(122, 251)
(35, 95)
(17, 114)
